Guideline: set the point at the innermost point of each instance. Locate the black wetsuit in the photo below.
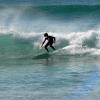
(50, 42)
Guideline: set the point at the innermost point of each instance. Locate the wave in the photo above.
(81, 43)
(49, 18)
(76, 27)
(75, 43)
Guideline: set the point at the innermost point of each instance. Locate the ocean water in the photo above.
(70, 73)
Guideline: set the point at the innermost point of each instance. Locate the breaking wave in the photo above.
(75, 27)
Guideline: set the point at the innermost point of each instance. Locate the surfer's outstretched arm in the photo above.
(43, 42)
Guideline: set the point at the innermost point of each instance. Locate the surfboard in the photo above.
(46, 55)
(42, 56)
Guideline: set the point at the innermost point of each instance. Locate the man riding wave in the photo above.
(50, 42)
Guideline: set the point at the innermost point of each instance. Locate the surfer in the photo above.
(50, 42)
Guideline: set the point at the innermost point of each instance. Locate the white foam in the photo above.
(75, 39)
(77, 50)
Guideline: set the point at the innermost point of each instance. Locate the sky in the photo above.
(49, 2)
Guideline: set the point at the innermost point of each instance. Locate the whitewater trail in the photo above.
(77, 50)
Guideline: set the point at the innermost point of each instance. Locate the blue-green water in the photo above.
(70, 73)
(64, 78)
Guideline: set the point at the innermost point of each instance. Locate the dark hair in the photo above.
(45, 34)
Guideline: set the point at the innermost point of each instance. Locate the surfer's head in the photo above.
(45, 34)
